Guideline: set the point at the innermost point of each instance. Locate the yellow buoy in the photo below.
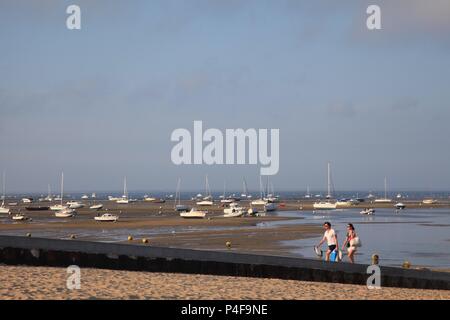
(145, 240)
(406, 264)
(72, 236)
(130, 238)
(28, 234)
(375, 259)
(228, 244)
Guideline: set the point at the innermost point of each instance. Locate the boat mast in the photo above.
(125, 192)
(260, 187)
(244, 185)
(62, 187)
(329, 182)
(177, 193)
(224, 188)
(208, 191)
(4, 188)
(385, 187)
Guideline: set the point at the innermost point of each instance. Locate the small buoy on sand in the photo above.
(406, 264)
(228, 244)
(130, 238)
(72, 236)
(28, 234)
(145, 240)
(375, 259)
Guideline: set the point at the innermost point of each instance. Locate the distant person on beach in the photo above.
(330, 237)
(349, 243)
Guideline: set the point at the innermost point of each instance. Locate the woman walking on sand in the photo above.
(350, 242)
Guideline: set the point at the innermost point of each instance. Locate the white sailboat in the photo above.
(96, 206)
(178, 205)
(260, 201)
(193, 214)
(308, 194)
(326, 205)
(48, 198)
(385, 199)
(75, 205)
(207, 200)
(429, 201)
(4, 209)
(61, 210)
(124, 199)
(244, 189)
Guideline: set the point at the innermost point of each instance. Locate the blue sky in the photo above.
(100, 103)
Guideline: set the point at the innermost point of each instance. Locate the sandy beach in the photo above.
(20, 282)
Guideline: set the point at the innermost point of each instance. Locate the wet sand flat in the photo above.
(20, 282)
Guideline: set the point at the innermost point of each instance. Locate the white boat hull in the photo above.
(67, 213)
(235, 214)
(205, 203)
(193, 214)
(96, 207)
(19, 218)
(106, 218)
(4, 210)
(383, 200)
(259, 202)
(324, 206)
(58, 207)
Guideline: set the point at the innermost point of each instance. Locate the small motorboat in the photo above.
(107, 217)
(270, 206)
(233, 207)
(400, 206)
(65, 213)
(75, 205)
(368, 211)
(37, 208)
(234, 214)
(193, 214)
(96, 206)
(233, 211)
(181, 207)
(19, 217)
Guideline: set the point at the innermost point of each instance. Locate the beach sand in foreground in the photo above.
(23, 282)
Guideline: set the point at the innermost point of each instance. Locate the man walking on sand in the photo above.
(331, 238)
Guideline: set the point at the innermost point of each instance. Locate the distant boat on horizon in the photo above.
(385, 199)
(326, 205)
